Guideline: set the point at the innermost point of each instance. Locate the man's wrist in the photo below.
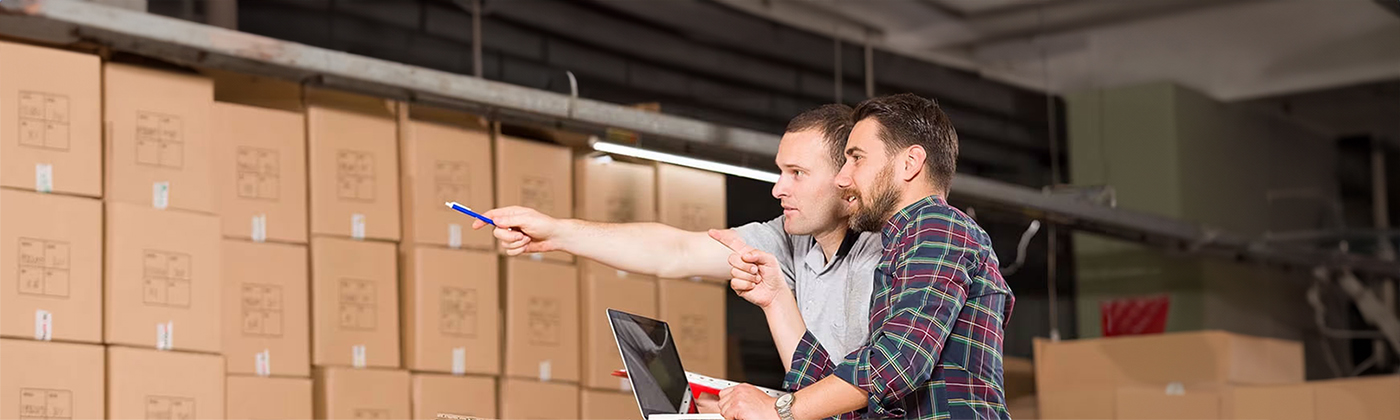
(783, 302)
(565, 232)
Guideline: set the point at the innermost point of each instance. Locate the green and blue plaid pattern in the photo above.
(937, 318)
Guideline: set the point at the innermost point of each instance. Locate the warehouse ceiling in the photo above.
(1229, 49)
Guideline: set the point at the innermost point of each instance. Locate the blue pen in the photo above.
(458, 207)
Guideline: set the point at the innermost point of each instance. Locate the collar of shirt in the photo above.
(890, 234)
(816, 257)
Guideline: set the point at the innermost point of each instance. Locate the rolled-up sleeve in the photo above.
(810, 363)
(928, 289)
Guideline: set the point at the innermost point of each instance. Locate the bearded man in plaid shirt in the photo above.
(939, 307)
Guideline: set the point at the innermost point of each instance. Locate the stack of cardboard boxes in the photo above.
(450, 290)
(1198, 375)
(258, 250)
(260, 172)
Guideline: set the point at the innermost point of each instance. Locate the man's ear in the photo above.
(912, 162)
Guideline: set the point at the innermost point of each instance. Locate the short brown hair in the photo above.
(834, 121)
(908, 120)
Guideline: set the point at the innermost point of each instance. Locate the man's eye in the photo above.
(797, 173)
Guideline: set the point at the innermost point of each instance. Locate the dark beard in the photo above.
(871, 215)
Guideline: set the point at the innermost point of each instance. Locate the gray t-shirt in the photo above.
(833, 296)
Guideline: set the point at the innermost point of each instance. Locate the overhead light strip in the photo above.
(701, 164)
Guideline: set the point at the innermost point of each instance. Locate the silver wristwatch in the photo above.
(784, 406)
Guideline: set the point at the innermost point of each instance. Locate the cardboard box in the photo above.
(267, 327)
(45, 380)
(164, 279)
(535, 175)
(690, 199)
(1273, 402)
(354, 165)
(451, 308)
(1188, 402)
(608, 405)
(154, 384)
(257, 398)
(444, 163)
(695, 311)
(158, 140)
(347, 393)
(614, 191)
(609, 288)
(1081, 404)
(1023, 408)
(523, 399)
(354, 303)
(435, 394)
(1191, 357)
(542, 328)
(51, 246)
(260, 172)
(53, 100)
(1018, 377)
(1366, 398)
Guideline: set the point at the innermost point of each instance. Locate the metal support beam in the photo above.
(1372, 308)
(476, 39)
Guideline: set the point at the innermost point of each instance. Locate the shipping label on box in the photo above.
(266, 327)
(354, 303)
(535, 175)
(690, 199)
(614, 191)
(354, 172)
(443, 162)
(51, 380)
(164, 279)
(153, 384)
(696, 313)
(451, 301)
(54, 111)
(542, 331)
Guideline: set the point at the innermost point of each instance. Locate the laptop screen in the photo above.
(654, 366)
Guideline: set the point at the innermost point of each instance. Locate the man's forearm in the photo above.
(645, 248)
(828, 397)
(786, 324)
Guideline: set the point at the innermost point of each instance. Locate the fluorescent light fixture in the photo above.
(750, 173)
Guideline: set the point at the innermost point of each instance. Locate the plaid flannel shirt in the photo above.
(937, 316)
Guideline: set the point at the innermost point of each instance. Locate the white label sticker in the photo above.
(263, 363)
(160, 195)
(454, 236)
(359, 355)
(545, 371)
(624, 384)
(43, 325)
(357, 226)
(696, 279)
(43, 177)
(1176, 389)
(259, 233)
(537, 257)
(621, 273)
(165, 335)
(459, 360)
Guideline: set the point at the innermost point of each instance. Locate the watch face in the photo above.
(785, 400)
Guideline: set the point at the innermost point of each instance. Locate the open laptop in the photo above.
(654, 368)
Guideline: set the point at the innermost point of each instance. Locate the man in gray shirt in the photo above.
(829, 266)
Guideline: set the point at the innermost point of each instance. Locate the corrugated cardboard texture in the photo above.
(163, 266)
(535, 175)
(608, 405)
(530, 400)
(1155, 403)
(45, 380)
(354, 165)
(1085, 404)
(542, 328)
(609, 288)
(443, 163)
(435, 394)
(347, 393)
(52, 246)
(690, 199)
(158, 131)
(1273, 402)
(1372, 398)
(614, 191)
(255, 398)
(266, 307)
(695, 311)
(51, 106)
(260, 171)
(154, 384)
(451, 300)
(355, 302)
(1194, 357)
